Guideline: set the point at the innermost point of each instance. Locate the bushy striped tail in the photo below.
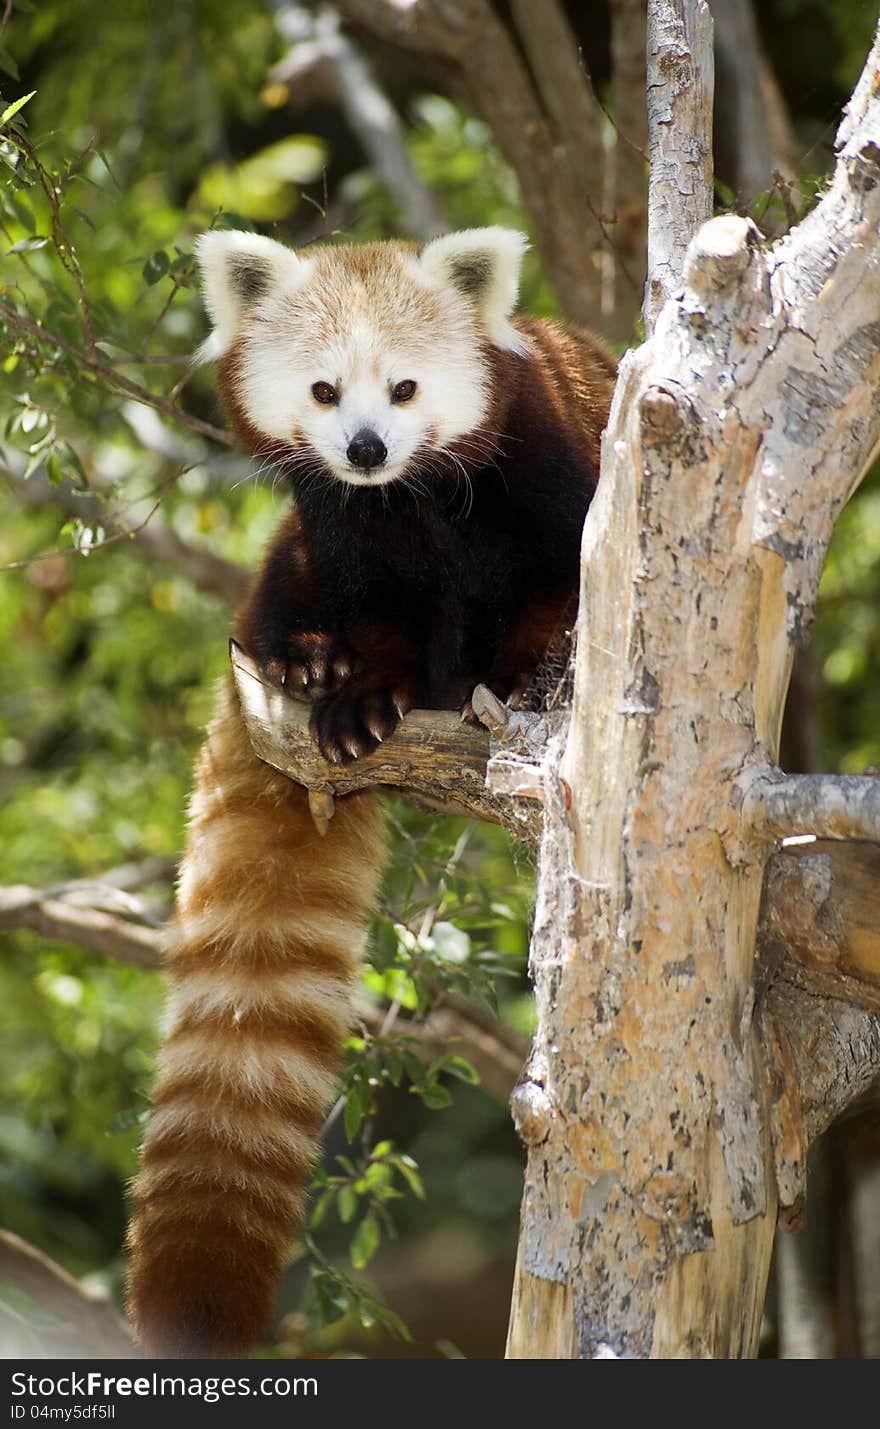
(269, 931)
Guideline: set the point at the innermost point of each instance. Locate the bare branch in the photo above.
(629, 159)
(432, 757)
(86, 1320)
(831, 806)
(112, 378)
(564, 215)
(680, 88)
(564, 86)
(65, 921)
(494, 1050)
(154, 537)
(348, 79)
(423, 25)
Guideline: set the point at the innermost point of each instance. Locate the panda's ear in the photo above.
(484, 265)
(238, 270)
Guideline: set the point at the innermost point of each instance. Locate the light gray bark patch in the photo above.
(808, 400)
(813, 400)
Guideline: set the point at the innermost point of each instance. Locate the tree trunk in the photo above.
(736, 434)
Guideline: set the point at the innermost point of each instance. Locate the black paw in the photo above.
(312, 665)
(354, 722)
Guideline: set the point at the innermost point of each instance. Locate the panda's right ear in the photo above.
(238, 270)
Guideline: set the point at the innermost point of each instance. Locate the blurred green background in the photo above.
(159, 120)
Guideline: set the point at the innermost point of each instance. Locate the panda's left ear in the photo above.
(484, 265)
(238, 270)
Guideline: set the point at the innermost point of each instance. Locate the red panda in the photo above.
(442, 456)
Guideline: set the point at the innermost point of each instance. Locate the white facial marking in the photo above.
(362, 321)
(280, 365)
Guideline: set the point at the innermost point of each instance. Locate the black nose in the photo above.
(366, 449)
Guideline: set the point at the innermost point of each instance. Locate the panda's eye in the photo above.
(323, 392)
(403, 391)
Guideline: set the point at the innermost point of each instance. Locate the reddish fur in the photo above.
(265, 905)
(215, 1211)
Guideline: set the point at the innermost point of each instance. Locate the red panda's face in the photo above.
(362, 361)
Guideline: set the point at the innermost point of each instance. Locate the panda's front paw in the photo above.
(355, 721)
(312, 665)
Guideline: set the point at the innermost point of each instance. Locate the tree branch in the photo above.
(207, 571)
(89, 1322)
(831, 806)
(70, 915)
(564, 215)
(629, 161)
(680, 90)
(63, 920)
(321, 50)
(433, 756)
(564, 87)
(112, 378)
(753, 140)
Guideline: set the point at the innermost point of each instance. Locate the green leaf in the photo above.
(365, 1242)
(319, 1210)
(394, 1066)
(20, 211)
(415, 1069)
(457, 1067)
(347, 1203)
(155, 267)
(333, 1300)
(435, 1096)
(410, 1173)
(72, 460)
(391, 1321)
(8, 64)
(15, 107)
(354, 1113)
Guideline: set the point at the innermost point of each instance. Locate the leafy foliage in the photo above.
(113, 156)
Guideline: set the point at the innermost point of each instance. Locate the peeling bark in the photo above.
(736, 434)
(681, 72)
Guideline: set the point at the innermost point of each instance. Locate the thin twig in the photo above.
(60, 239)
(115, 379)
(83, 1316)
